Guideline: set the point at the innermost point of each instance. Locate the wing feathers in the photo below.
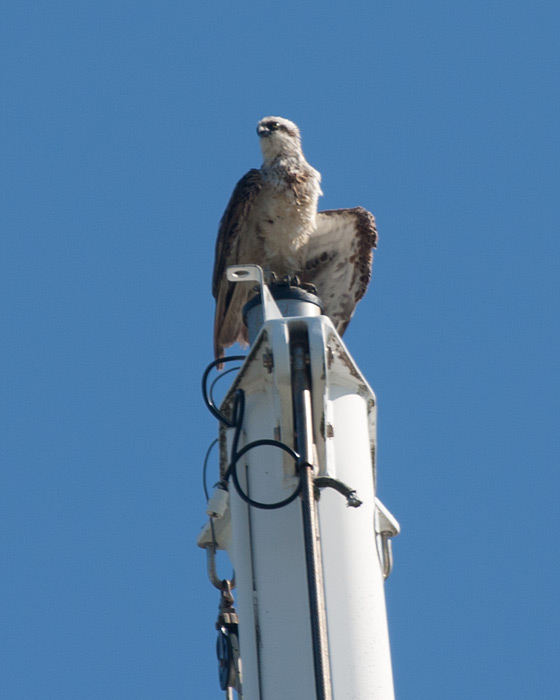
(228, 324)
(339, 260)
(239, 204)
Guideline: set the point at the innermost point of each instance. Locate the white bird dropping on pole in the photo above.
(297, 447)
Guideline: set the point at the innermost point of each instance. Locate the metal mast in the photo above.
(297, 512)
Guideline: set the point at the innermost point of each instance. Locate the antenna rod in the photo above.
(304, 446)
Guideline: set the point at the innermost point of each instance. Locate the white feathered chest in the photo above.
(284, 215)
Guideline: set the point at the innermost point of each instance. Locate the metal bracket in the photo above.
(210, 540)
(386, 527)
(254, 273)
(215, 580)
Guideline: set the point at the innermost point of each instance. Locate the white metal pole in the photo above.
(309, 574)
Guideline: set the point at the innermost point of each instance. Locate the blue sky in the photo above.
(124, 127)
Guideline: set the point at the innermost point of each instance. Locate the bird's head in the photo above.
(278, 136)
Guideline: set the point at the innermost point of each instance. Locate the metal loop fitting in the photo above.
(215, 580)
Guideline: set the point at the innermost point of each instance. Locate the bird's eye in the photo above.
(274, 126)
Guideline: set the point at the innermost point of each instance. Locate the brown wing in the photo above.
(339, 260)
(228, 327)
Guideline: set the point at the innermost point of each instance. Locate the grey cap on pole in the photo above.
(291, 301)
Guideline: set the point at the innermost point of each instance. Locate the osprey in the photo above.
(272, 221)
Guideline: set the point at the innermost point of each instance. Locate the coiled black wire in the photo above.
(238, 414)
(205, 467)
(236, 422)
(207, 394)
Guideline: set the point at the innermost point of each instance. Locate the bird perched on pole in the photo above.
(272, 220)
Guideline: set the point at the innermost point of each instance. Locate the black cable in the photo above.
(232, 469)
(238, 415)
(205, 393)
(205, 466)
(352, 499)
(220, 376)
(236, 422)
